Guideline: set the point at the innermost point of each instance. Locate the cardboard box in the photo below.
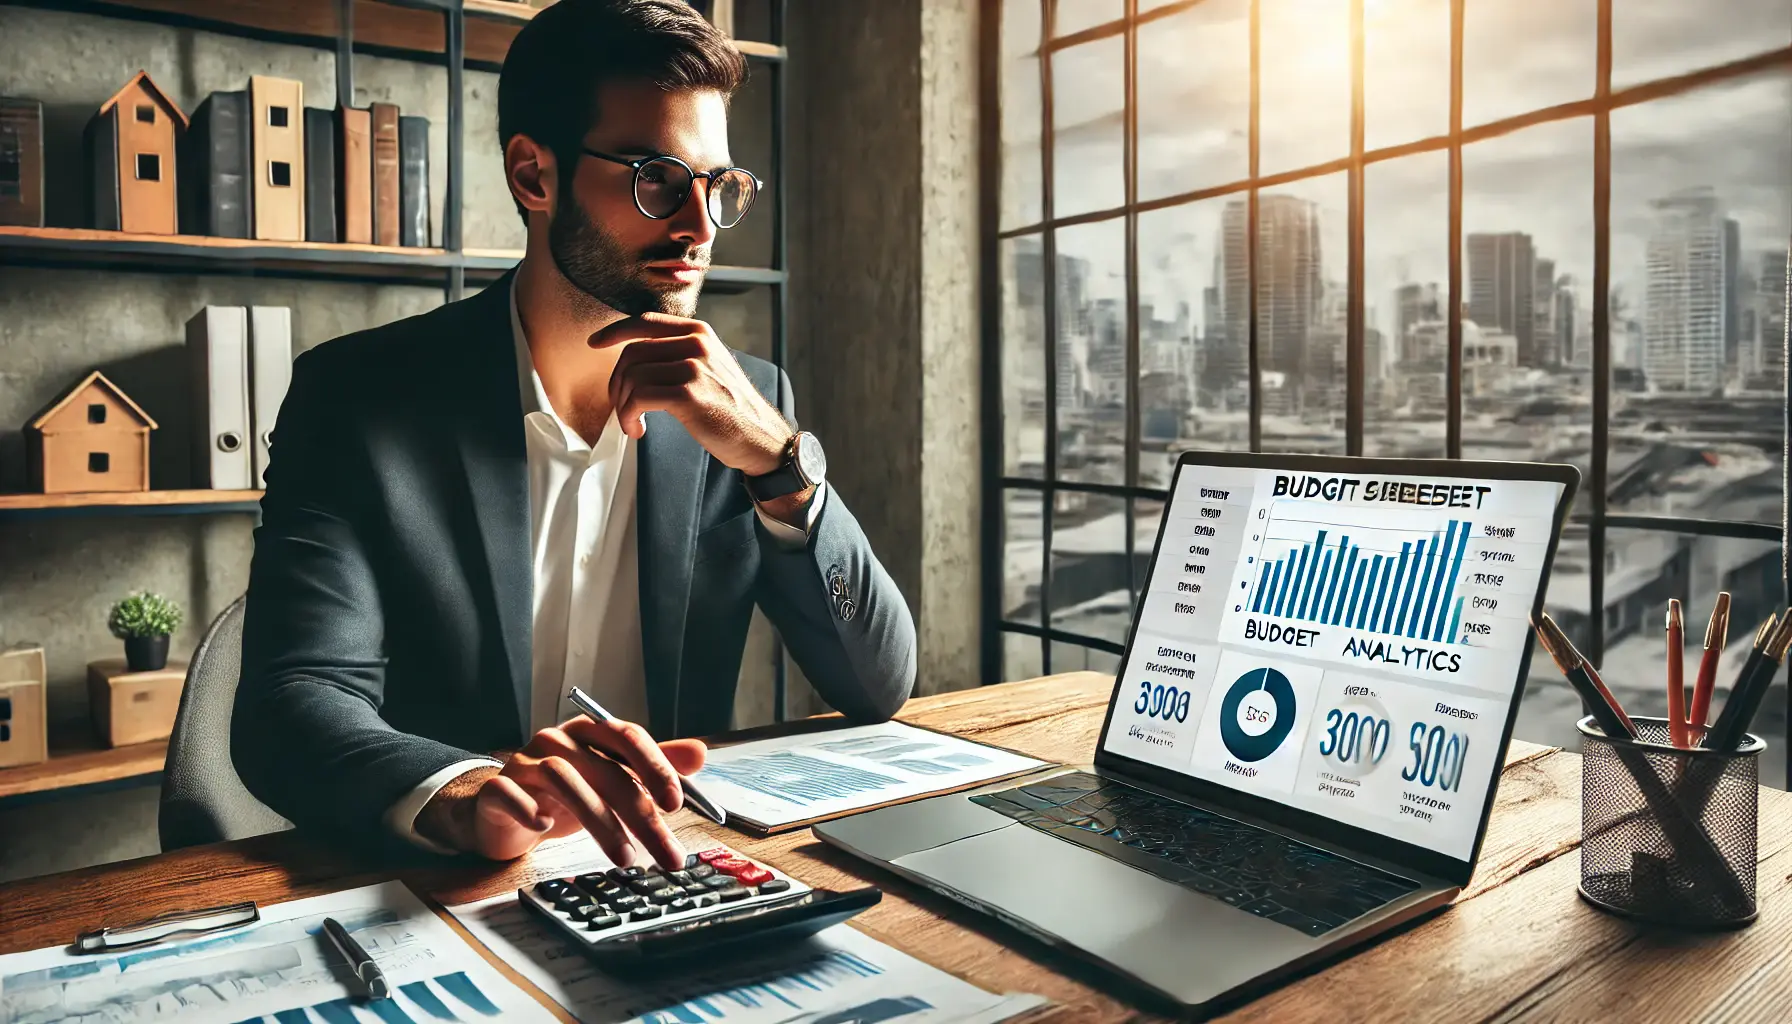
(24, 738)
(133, 707)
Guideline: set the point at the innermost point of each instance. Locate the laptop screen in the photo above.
(1347, 644)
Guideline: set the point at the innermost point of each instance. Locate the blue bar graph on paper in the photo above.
(1335, 582)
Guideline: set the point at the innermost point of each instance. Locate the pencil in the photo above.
(1676, 627)
(1717, 634)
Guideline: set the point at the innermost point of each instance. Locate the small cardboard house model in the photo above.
(92, 438)
(130, 157)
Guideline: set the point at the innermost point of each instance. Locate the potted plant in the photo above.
(144, 621)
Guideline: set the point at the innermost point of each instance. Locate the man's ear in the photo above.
(529, 169)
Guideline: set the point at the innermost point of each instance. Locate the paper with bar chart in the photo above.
(1348, 645)
(280, 970)
(789, 781)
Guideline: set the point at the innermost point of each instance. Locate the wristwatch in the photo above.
(805, 465)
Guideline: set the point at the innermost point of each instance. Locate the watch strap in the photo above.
(784, 480)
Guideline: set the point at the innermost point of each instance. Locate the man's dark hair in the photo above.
(548, 88)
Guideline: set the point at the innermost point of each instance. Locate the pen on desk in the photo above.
(365, 969)
(1605, 708)
(1751, 688)
(1676, 627)
(1717, 634)
(693, 794)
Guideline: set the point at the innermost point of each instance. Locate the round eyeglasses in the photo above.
(663, 185)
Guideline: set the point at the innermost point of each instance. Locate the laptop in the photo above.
(1305, 735)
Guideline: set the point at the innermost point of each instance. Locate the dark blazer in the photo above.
(387, 628)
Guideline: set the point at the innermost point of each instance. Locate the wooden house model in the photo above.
(92, 438)
(130, 146)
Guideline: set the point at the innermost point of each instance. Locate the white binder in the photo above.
(218, 352)
(270, 372)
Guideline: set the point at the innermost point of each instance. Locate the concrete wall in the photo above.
(884, 278)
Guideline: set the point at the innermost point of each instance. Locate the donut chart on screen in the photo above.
(1257, 714)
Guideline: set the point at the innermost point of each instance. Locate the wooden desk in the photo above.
(1518, 942)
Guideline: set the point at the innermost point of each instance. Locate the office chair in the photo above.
(203, 800)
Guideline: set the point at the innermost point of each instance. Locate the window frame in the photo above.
(1594, 516)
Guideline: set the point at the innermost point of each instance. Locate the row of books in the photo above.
(250, 163)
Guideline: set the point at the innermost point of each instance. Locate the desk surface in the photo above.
(1518, 942)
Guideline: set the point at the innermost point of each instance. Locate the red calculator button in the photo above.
(711, 856)
(731, 865)
(753, 876)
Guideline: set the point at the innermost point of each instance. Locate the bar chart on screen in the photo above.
(1408, 589)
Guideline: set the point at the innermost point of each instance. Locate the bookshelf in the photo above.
(80, 763)
(24, 506)
(405, 29)
(91, 249)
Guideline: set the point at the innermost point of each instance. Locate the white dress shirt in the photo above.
(586, 571)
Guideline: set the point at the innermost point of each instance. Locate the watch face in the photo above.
(810, 459)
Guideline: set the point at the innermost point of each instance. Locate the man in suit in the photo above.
(565, 480)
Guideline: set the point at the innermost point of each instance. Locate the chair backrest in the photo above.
(203, 799)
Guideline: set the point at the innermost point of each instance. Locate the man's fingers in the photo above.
(619, 790)
(572, 786)
(631, 744)
(655, 398)
(686, 756)
(645, 327)
(681, 373)
(507, 821)
(502, 795)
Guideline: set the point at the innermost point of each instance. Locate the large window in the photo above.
(1504, 229)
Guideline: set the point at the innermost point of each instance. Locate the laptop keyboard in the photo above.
(1253, 869)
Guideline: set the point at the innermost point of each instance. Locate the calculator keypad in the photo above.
(600, 905)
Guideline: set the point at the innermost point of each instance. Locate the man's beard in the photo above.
(597, 265)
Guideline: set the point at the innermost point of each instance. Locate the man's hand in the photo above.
(678, 365)
(559, 783)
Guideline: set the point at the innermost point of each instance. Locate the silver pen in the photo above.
(699, 800)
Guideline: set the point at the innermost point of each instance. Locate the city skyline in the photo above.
(1734, 135)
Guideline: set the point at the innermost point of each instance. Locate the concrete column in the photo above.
(884, 321)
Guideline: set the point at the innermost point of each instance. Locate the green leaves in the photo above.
(144, 614)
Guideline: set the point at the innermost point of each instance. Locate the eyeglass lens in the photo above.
(663, 185)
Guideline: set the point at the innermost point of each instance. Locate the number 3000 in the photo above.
(1169, 704)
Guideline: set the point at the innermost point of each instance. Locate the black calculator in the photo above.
(717, 900)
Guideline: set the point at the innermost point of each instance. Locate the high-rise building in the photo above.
(1544, 341)
(1770, 320)
(1290, 289)
(1686, 301)
(1229, 357)
(1414, 304)
(1573, 343)
(1734, 299)
(1023, 328)
(1502, 276)
(1074, 329)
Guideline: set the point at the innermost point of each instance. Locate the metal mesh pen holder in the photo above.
(1668, 835)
